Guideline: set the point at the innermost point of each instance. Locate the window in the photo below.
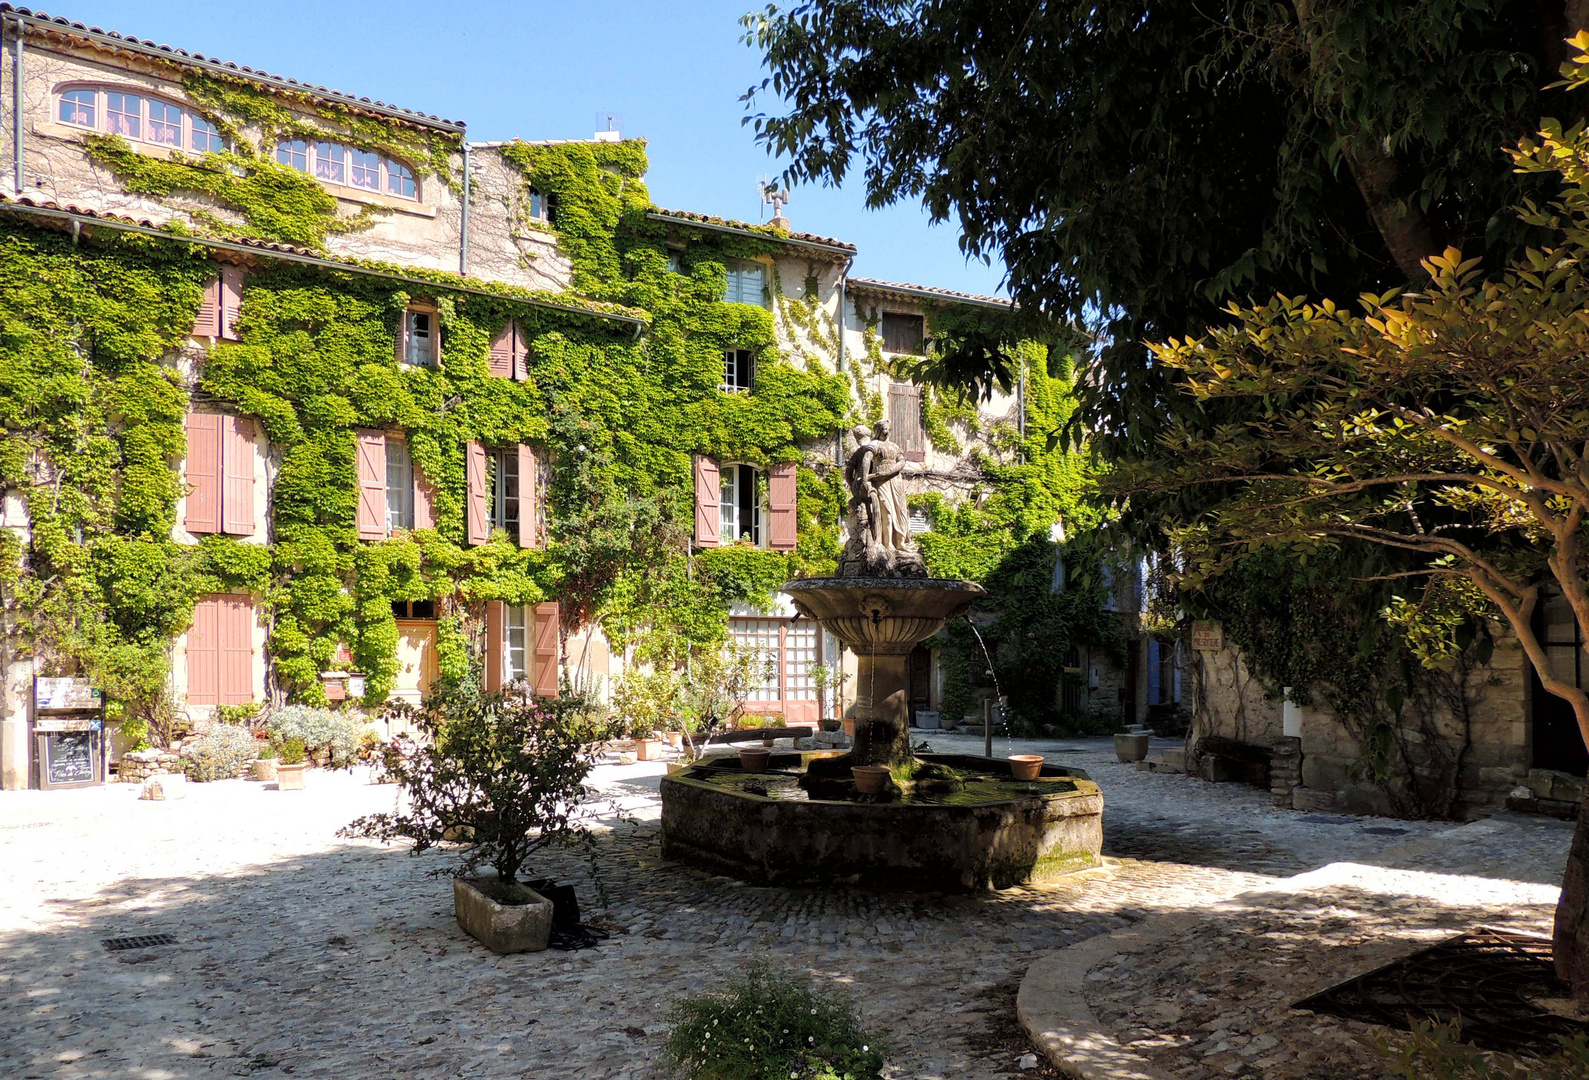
(904, 333)
(346, 165)
(675, 261)
(739, 506)
(516, 658)
(79, 107)
(788, 651)
(165, 124)
(205, 138)
(904, 420)
(747, 283)
(219, 474)
(739, 368)
(220, 651)
(540, 207)
(919, 522)
(399, 486)
(139, 118)
(124, 114)
(505, 490)
(419, 338)
(413, 609)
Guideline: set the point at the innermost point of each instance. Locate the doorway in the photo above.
(1553, 729)
(919, 679)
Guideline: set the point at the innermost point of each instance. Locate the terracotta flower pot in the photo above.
(648, 749)
(869, 779)
(290, 777)
(1025, 766)
(674, 739)
(1131, 747)
(753, 758)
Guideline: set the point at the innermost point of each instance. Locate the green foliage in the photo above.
(1436, 1052)
(221, 753)
(293, 752)
(771, 1023)
(317, 730)
(237, 714)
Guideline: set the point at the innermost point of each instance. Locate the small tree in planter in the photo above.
(500, 775)
(714, 690)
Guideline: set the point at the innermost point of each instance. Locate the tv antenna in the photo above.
(776, 197)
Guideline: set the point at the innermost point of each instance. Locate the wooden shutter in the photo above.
(402, 338)
(904, 417)
(231, 301)
(372, 484)
(204, 653)
(204, 473)
(477, 479)
(521, 354)
(502, 352)
(496, 642)
(528, 533)
(707, 497)
(424, 500)
(236, 632)
(781, 486)
(546, 659)
(208, 324)
(237, 466)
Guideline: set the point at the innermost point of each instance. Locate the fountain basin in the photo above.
(882, 616)
(996, 833)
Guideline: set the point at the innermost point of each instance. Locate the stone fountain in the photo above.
(945, 821)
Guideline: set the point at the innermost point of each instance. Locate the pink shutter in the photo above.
(237, 466)
(546, 620)
(372, 484)
(781, 486)
(904, 418)
(204, 653)
(236, 626)
(424, 501)
(496, 642)
(521, 354)
(708, 494)
(477, 518)
(501, 356)
(528, 533)
(204, 473)
(208, 324)
(231, 301)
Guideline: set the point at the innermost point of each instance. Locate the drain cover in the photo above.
(143, 941)
(1487, 979)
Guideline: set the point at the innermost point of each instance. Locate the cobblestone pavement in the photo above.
(301, 954)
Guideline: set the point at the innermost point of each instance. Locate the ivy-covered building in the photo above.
(307, 397)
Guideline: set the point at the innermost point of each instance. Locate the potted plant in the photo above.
(501, 776)
(290, 766)
(648, 749)
(265, 764)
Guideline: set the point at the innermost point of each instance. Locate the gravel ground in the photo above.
(301, 954)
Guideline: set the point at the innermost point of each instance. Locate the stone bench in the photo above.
(739, 735)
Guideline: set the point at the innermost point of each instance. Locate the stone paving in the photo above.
(301, 954)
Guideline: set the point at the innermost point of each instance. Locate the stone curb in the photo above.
(1055, 1014)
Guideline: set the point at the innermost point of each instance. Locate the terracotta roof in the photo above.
(901, 288)
(182, 56)
(763, 230)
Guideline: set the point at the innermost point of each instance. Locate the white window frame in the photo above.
(747, 283)
(517, 626)
(399, 486)
(732, 383)
(189, 125)
(502, 463)
(416, 354)
(732, 522)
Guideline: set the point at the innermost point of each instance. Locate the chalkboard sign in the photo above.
(69, 757)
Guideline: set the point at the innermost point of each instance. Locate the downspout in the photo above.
(844, 277)
(463, 220)
(16, 106)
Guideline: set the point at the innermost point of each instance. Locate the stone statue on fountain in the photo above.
(879, 544)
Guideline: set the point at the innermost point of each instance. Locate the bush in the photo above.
(771, 1024)
(318, 729)
(1437, 1052)
(498, 773)
(242, 715)
(293, 752)
(221, 753)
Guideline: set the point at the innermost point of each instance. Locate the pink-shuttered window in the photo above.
(124, 114)
(220, 651)
(783, 527)
(708, 496)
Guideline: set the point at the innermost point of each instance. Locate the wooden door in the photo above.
(416, 658)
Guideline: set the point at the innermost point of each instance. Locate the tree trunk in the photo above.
(1572, 912)
(1408, 234)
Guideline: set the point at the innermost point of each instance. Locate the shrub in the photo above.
(242, 715)
(318, 729)
(293, 752)
(771, 1024)
(498, 773)
(1437, 1052)
(267, 751)
(220, 753)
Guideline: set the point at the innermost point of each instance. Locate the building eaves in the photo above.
(760, 232)
(110, 39)
(926, 292)
(77, 217)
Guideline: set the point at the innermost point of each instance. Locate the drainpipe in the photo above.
(844, 276)
(16, 106)
(463, 220)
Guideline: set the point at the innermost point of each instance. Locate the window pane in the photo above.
(515, 664)
(78, 106)
(124, 115)
(294, 154)
(800, 644)
(421, 343)
(399, 181)
(165, 124)
(205, 136)
(746, 284)
(505, 492)
(366, 170)
(399, 486)
(728, 504)
(762, 636)
(539, 207)
(330, 162)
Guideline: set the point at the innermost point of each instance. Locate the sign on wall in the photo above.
(1207, 636)
(65, 695)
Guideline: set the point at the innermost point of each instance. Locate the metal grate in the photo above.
(1488, 980)
(141, 941)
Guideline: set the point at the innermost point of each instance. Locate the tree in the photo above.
(1137, 165)
(1450, 423)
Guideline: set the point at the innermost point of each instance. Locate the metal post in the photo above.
(16, 108)
(987, 727)
(463, 220)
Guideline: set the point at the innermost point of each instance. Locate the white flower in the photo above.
(864, 1048)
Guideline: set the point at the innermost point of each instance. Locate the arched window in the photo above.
(137, 118)
(348, 166)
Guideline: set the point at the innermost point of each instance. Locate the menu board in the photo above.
(69, 757)
(65, 694)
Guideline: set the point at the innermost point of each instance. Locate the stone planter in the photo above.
(290, 777)
(265, 769)
(648, 749)
(1131, 747)
(503, 928)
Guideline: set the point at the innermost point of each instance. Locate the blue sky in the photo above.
(674, 71)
